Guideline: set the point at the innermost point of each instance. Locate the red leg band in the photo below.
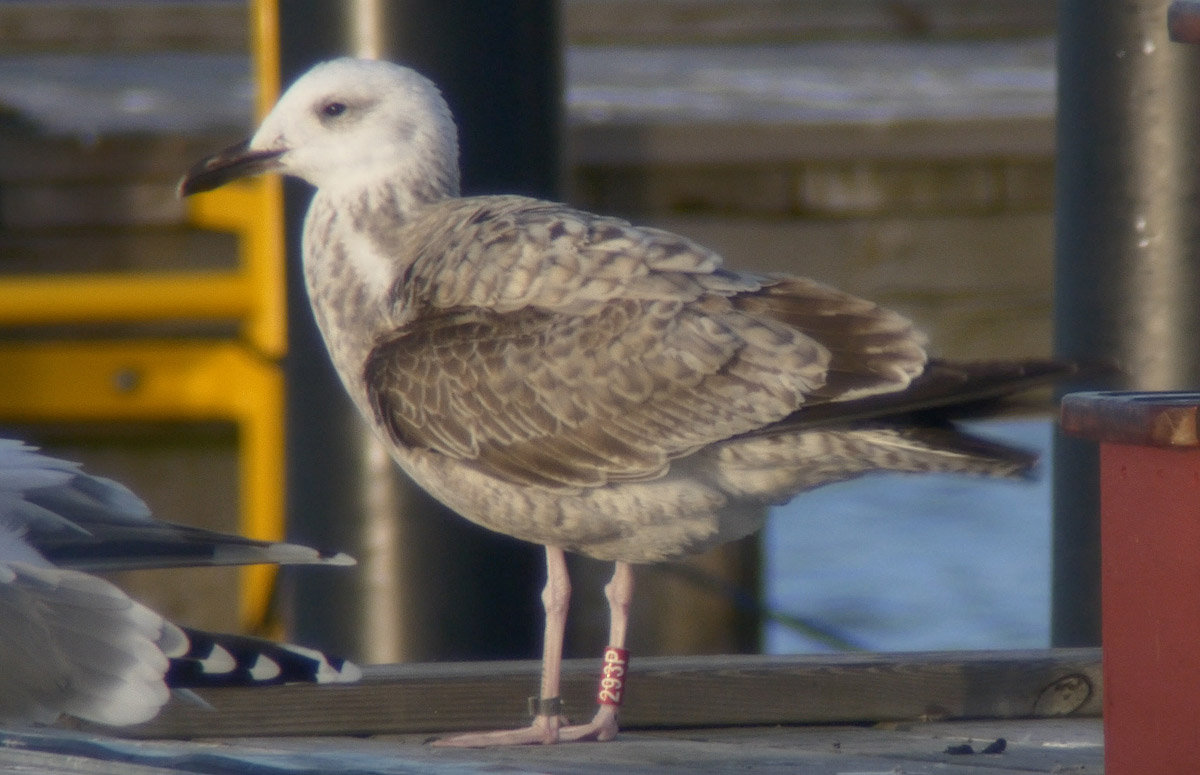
(612, 676)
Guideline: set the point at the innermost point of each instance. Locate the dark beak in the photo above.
(236, 161)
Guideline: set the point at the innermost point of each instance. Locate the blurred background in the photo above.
(903, 151)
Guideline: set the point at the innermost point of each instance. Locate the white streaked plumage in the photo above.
(572, 379)
(74, 643)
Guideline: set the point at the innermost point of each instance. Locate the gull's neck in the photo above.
(393, 197)
(354, 253)
(369, 215)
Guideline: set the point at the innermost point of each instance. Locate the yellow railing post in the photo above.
(152, 379)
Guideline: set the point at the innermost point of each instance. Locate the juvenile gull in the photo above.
(576, 381)
(74, 643)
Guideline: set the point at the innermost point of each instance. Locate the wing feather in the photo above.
(560, 349)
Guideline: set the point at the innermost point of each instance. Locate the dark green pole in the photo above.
(429, 585)
(1127, 263)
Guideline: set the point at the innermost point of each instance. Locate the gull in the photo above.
(577, 381)
(73, 643)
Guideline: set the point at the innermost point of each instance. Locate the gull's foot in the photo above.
(601, 729)
(543, 731)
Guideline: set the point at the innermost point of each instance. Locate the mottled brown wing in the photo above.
(872, 350)
(577, 401)
(562, 349)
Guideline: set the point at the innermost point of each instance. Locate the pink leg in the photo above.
(545, 728)
(603, 726)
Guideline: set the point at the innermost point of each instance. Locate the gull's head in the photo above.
(347, 123)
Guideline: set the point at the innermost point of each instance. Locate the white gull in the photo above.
(576, 381)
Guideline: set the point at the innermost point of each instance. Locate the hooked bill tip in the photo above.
(236, 161)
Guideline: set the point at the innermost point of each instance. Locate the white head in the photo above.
(348, 123)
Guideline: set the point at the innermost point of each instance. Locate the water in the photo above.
(813, 82)
(89, 96)
(915, 563)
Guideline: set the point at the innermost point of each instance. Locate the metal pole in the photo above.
(1126, 253)
(429, 585)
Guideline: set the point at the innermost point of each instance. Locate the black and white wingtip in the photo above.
(220, 660)
(250, 553)
(73, 643)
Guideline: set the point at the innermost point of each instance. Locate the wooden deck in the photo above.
(1063, 746)
(845, 714)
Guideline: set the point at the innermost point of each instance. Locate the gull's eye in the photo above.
(334, 109)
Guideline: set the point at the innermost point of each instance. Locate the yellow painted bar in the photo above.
(232, 207)
(264, 42)
(29, 299)
(147, 380)
(263, 253)
(253, 209)
(263, 250)
(167, 380)
(261, 463)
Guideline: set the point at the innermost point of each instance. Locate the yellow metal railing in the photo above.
(150, 379)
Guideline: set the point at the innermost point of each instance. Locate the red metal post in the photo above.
(1150, 574)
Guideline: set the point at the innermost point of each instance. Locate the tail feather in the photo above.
(946, 389)
(776, 467)
(107, 547)
(218, 659)
(975, 454)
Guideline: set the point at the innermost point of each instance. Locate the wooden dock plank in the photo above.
(1061, 746)
(16, 760)
(663, 692)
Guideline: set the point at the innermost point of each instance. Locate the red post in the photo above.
(1150, 574)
